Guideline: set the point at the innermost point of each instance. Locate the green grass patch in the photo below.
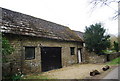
(35, 77)
(114, 61)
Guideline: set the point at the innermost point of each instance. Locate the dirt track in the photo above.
(77, 71)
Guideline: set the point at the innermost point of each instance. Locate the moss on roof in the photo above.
(18, 23)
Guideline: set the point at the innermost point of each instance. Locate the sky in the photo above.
(75, 14)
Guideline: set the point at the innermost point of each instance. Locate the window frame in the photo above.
(72, 50)
(26, 55)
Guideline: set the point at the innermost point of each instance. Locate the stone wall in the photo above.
(91, 57)
(94, 58)
(34, 66)
(112, 56)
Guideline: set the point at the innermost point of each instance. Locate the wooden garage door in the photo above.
(50, 58)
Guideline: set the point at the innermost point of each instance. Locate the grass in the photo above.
(114, 61)
(35, 77)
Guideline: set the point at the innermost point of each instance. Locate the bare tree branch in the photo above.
(101, 3)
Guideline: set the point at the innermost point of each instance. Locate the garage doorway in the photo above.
(50, 58)
(79, 56)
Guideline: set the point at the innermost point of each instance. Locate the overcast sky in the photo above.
(76, 14)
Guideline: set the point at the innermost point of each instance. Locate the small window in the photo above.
(72, 50)
(29, 53)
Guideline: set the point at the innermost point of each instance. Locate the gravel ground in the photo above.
(77, 71)
(103, 73)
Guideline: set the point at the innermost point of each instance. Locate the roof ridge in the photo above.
(19, 23)
(34, 17)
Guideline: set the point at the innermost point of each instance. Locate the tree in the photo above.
(108, 3)
(95, 39)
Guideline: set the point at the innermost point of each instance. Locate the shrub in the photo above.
(7, 49)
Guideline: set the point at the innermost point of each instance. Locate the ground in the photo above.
(76, 71)
(113, 74)
(104, 73)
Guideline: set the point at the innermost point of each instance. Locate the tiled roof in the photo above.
(18, 23)
(80, 34)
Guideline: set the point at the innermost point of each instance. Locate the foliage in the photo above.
(116, 46)
(7, 49)
(14, 77)
(95, 39)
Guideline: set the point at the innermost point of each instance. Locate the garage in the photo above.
(50, 58)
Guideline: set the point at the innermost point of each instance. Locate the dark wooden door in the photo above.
(50, 58)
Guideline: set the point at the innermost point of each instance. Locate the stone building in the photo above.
(40, 45)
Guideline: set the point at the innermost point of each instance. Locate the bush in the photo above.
(7, 49)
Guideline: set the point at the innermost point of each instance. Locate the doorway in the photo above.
(50, 58)
(79, 56)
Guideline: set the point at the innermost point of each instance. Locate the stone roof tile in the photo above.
(18, 23)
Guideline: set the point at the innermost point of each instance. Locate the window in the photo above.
(29, 53)
(72, 50)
